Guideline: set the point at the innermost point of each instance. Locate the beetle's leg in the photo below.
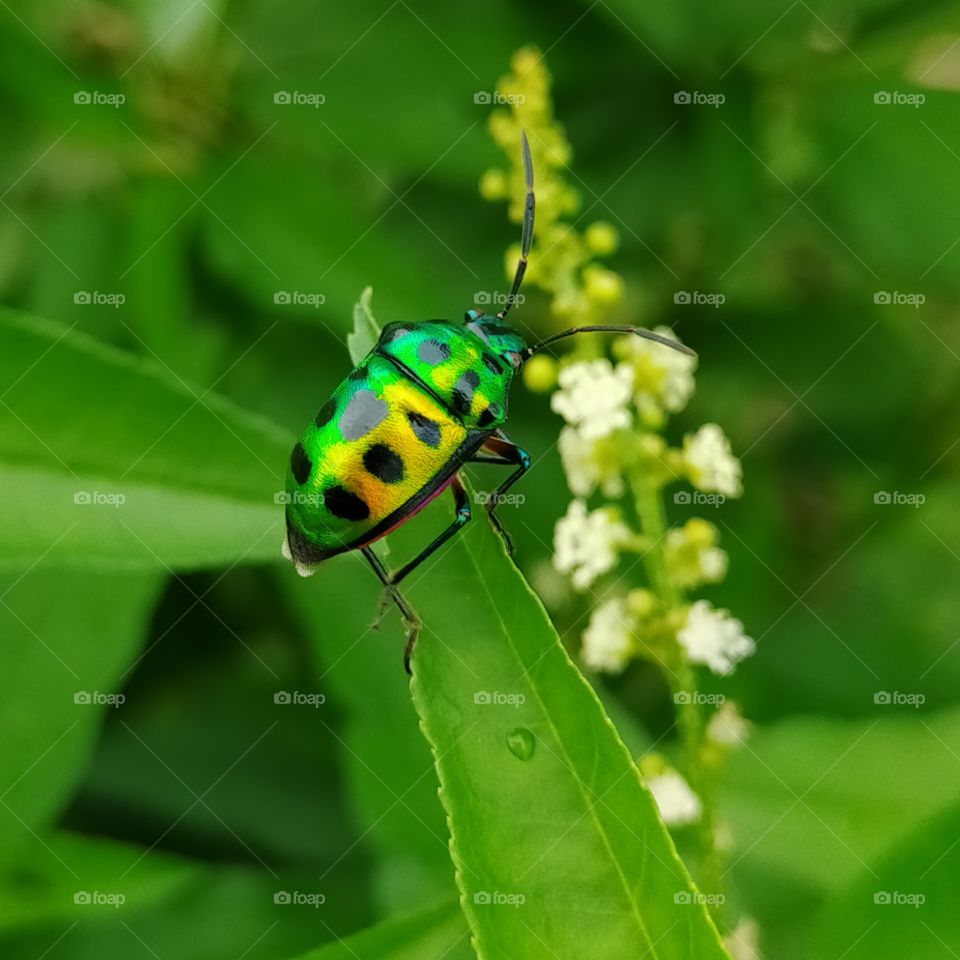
(390, 580)
(463, 514)
(410, 620)
(505, 453)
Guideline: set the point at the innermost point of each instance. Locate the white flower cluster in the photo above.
(677, 803)
(612, 444)
(710, 462)
(714, 638)
(593, 396)
(607, 640)
(663, 378)
(591, 464)
(586, 543)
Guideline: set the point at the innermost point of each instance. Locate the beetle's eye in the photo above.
(515, 359)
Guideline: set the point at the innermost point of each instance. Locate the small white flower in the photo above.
(713, 564)
(664, 377)
(677, 803)
(590, 463)
(606, 641)
(594, 397)
(585, 544)
(710, 461)
(743, 942)
(714, 638)
(727, 727)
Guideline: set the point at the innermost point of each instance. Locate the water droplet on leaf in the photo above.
(521, 743)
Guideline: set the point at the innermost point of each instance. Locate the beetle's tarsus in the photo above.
(413, 631)
(500, 529)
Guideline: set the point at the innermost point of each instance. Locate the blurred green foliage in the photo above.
(200, 200)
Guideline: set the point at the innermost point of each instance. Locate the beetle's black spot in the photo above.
(463, 392)
(433, 352)
(500, 330)
(489, 414)
(461, 402)
(492, 363)
(300, 463)
(326, 412)
(344, 504)
(425, 430)
(383, 463)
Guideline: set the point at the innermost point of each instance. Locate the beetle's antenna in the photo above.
(526, 233)
(620, 328)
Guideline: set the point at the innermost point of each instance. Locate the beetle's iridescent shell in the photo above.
(391, 436)
(456, 364)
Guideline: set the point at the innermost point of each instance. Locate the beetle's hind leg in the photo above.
(390, 580)
(391, 594)
(505, 453)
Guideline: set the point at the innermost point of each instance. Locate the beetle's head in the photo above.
(500, 338)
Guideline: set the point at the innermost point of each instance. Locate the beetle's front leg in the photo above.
(503, 453)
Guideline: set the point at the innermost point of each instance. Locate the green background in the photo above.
(199, 199)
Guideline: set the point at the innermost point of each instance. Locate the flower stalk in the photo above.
(619, 464)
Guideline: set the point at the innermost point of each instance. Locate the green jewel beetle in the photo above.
(430, 397)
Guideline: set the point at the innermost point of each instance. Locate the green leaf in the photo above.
(906, 907)
(68, 635)
(172, 907)
(435, 932)
(814, 804)
(557, 845)
(115, 460)
(40, 884)
(365, 331)
(852, 810)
